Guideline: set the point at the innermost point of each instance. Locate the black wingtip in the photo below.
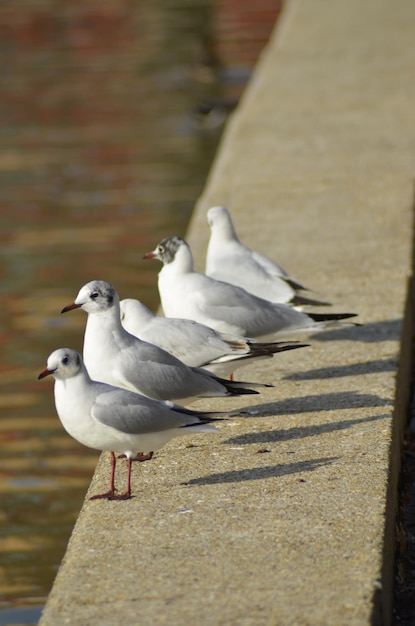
(241, 391)
(204, 420)
(298, 300)
(328, 317)
(292, 347)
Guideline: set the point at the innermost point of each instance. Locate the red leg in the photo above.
(111, 493)
(127, 494)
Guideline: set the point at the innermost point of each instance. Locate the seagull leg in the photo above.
(127, 494)
(111, 493)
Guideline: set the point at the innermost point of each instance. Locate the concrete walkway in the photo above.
(287, 517)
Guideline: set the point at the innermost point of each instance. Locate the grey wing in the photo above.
(269, 266)
(133, 414)
(246, 272)
(245, 266)
(160, 375)
(179, 337)
(253, 316)
(275, 270)
(196, 344)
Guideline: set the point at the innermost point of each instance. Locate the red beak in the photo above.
(150, 255)
(45, 372)
(70, 307)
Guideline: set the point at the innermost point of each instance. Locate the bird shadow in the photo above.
(355, 369)
(336, 400)
(260, 473)
(373, 332)
(300, 432)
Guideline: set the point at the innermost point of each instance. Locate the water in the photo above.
(110, 114)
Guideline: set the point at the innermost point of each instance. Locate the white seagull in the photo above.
(104, 417)
(229, 260)
(114, 356)
(195, 344)
(225, 307)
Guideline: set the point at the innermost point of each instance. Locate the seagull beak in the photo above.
(45, 372)
(150, 255)
(70, 307)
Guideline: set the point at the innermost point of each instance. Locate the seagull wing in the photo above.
(134, 414)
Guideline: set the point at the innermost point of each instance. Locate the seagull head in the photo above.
(94, 297)
(134, 309)
(217, 213)
(220, 221)
(168, 250)
(62, 363)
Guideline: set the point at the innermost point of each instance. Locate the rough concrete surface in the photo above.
(286, 517)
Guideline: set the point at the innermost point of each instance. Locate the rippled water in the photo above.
(110, 114)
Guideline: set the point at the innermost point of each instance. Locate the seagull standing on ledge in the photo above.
(195, 344)
(225, 307)
(229, 260)
(103, 417)
(113, 356)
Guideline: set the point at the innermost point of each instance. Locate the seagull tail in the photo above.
(204, 417)
(240, 388)
(268, 349)
(330, 317)
(298, 300)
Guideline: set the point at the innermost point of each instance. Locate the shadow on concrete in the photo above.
(356, 369)
(389, 330)
(335, 401)
(260, 473)
(300, 432)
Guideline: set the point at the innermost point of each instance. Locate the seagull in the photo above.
(229, 260)
(225, 307)
(114, 356)
(195, 344)
(108, 418)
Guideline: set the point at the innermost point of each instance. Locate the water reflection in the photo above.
(110, 117)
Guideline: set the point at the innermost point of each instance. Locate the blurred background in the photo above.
(110, 115)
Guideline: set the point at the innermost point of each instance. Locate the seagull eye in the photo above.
(65, 360)
(94, 295)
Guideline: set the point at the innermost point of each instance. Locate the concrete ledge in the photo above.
(287, 517)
